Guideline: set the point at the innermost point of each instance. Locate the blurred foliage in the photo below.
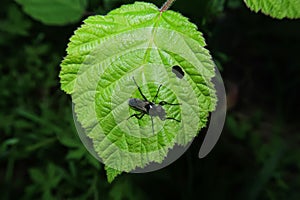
(276, 9)
(257, 157)
(54, 12)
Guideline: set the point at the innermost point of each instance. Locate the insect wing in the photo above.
(138, 104)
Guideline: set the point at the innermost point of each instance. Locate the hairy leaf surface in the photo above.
(138, 41)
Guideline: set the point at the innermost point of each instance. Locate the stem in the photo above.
(166, 5)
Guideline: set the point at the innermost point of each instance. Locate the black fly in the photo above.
(149, 107)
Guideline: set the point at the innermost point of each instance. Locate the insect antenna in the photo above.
(140, 89)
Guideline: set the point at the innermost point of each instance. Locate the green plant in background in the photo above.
(257, 158)
(55, 12)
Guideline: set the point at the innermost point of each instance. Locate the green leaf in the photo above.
(75, 154)
(138, 41)
(37, 175)
(46, 179)
(111, 173)
(16, 23)
(54, 12)
(276, 8)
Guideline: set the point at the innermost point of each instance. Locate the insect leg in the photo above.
(139, 89)
(166, 103)
(155, 97)
(138, 116)
(173, 119)
(152, 125)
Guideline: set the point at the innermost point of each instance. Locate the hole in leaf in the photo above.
(178, 71)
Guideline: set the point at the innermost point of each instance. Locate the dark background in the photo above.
(257, 156)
